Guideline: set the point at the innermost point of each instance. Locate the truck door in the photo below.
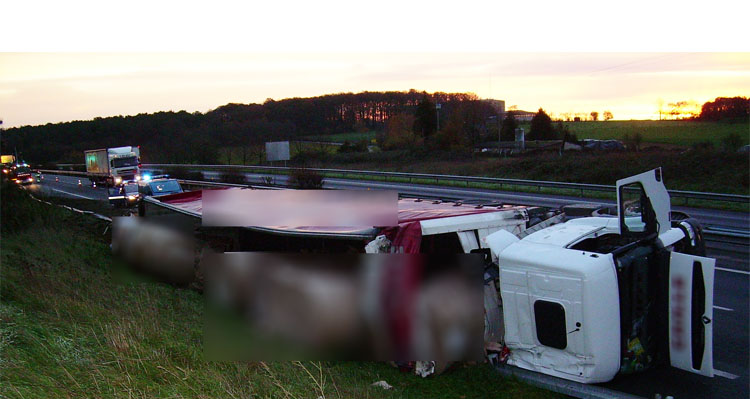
(691, 301)
(643, 204)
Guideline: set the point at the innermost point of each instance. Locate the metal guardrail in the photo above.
(726, 232)
(709, 230)
(687, 195)
(203, 183)
(64, 172)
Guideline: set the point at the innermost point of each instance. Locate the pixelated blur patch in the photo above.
(160, 251)
(294, 208)
(268, 306)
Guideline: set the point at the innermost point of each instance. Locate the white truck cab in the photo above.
(593, 297)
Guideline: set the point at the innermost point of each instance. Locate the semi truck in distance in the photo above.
(7, 160)
(113, 166)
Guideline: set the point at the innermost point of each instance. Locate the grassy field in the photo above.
(69, 329)
(351, 137)
(684, 133)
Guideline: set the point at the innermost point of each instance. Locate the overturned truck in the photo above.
(581, 299)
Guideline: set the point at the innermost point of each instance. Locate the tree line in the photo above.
(183, 137)
(402, 119)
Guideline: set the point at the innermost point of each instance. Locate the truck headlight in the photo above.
(137, 177)
(118, 180)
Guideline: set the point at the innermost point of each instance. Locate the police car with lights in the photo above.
(154, 186)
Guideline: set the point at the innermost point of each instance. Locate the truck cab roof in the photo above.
(567, 234)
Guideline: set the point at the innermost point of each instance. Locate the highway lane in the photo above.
(707, 217)
(731, 330)
(67, 186)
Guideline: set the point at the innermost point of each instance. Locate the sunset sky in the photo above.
(296, 56)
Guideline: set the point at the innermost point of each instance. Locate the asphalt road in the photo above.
(67, 186)
(731, 301)
(707, 217)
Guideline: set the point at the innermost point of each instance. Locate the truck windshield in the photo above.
(124, 162)
(130, 188)
(23, 170)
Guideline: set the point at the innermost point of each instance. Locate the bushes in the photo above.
(347, 147)
(305, 179)
(633, 141)
(731, 142)
(233, 177)
(310, 156)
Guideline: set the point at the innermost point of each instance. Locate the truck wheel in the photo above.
(693, 243)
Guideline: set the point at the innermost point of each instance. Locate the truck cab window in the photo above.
(631, 207)
(636, 214)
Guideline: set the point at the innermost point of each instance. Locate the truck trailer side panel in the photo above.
(97, 162)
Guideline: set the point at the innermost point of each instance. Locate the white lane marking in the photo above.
(725, 374)
(723, 308)
(76, 195)
(732, 270)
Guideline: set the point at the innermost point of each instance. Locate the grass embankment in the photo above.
(705, 171)
(67, 329)
(685, 133)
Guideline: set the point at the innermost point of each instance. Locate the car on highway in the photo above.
(155, 187)
(124, 196)
(21, 174)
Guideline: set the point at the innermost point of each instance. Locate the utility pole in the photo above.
(437, 108)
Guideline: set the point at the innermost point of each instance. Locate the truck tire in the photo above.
(693, 243)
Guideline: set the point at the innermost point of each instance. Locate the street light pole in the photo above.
(437, 108)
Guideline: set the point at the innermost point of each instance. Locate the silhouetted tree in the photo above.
(399, 133)
(541, 127)
(508, 128)
(594, 116)
(425, 118)
(452, 137)
(725, 108)
(608, 115)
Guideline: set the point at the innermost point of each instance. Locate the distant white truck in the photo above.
(113, 166)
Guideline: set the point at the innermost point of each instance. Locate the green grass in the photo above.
(69, 329)
(663, 132)
(351, 137)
